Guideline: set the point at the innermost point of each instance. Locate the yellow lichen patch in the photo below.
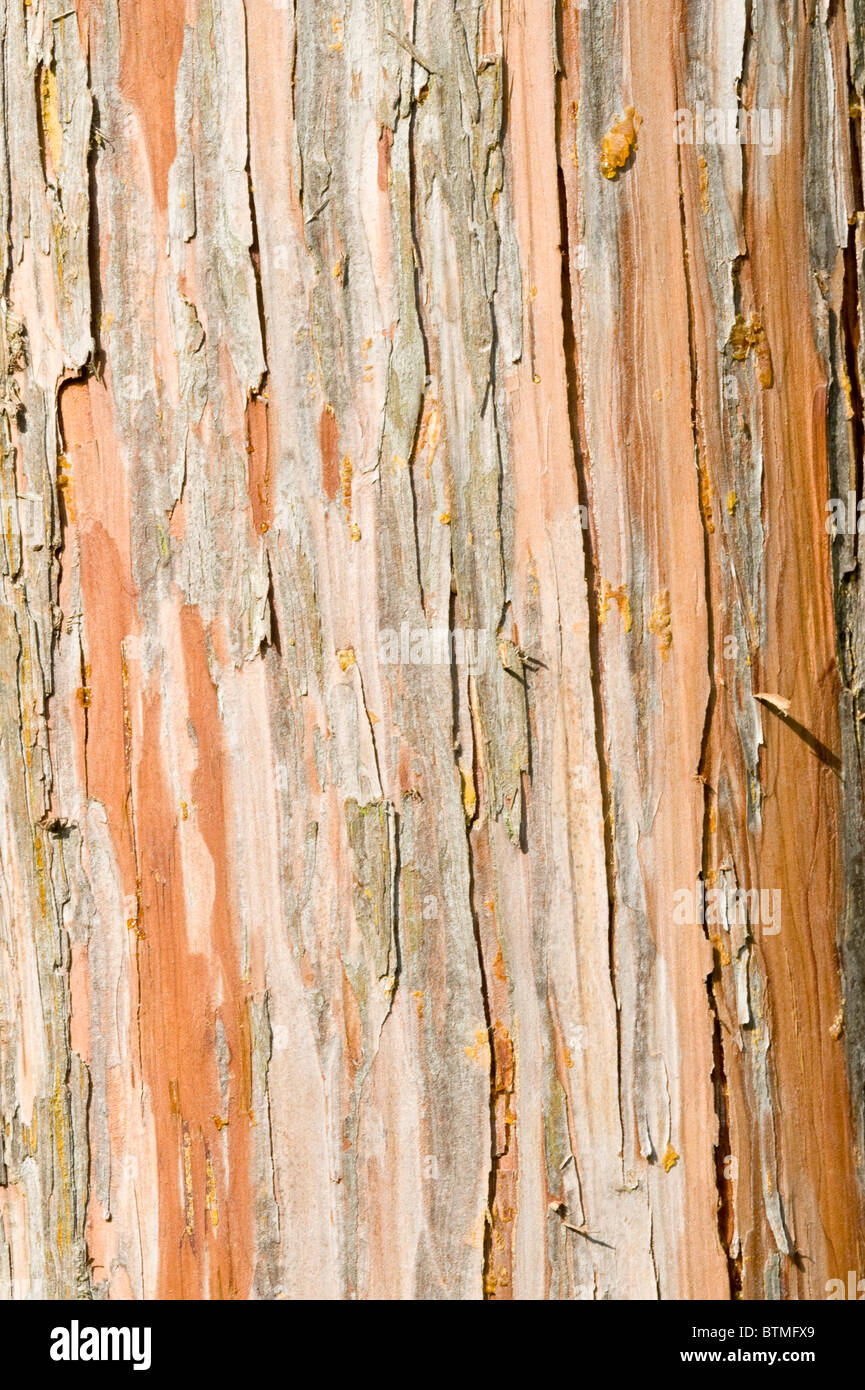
(430, 432)
(355, 531)
(188, 1202)
(704, 183)
(345, 657)
(743, 337)
(53, 131)
(417, 996)
(346, 471)
(732, 501)
(837, 1026)
(445, 518)
(721, 949)
(660, 621)
(64, 485)
(670, 1159)
(619, 142)
(470, 797)
(706, 492)
(479, 1050)
(210, 1201)
(367, 366)
(622, 602)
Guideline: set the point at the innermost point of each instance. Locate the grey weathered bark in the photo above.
(328, 966)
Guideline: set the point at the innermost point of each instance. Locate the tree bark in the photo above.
(339, 958)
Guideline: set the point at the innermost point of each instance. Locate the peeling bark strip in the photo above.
(536, 976)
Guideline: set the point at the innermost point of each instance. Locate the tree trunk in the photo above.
(418, 426)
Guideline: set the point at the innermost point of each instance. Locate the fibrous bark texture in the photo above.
(431, 639)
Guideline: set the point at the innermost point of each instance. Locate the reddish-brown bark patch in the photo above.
(151, 44)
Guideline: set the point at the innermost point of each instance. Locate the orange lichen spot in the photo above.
(566, 1053)
(346, 657)
(743, 337)
(219, 1122)
(536, 379)
(263, 527)
(499, 967)
(337, 270)
(619, 142)
(670, 1159)
(836, 1027)
(84, 696)
(417, 996)
(336, 27)
(660, 621)
(445, 518)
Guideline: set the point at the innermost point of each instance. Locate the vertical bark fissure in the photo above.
(593, 585)
(721, 1146)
